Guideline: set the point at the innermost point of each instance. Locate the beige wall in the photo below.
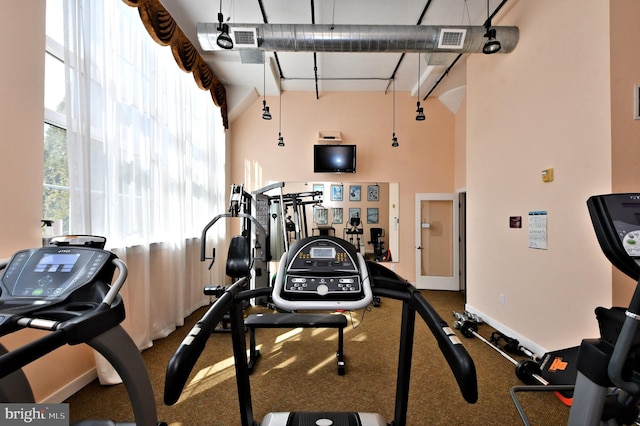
(547, 104)
(625, 131)
(21, 165)
(422, 163)
(460, 168)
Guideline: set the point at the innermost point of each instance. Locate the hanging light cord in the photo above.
(418, 76)
(280, 118)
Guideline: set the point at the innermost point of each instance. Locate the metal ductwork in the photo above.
(358, 38)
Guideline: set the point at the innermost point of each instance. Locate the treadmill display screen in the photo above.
(56, 263)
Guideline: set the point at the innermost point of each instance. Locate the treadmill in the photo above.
(67, 290)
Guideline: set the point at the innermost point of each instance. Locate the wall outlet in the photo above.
(502, 299)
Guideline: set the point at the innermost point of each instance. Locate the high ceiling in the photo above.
(336, 71)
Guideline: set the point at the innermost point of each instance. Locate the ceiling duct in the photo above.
(364, 38)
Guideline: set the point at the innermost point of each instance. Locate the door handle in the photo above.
(419, 247)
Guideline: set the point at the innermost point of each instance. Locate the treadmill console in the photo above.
(322, 272)
(616, 220)
(50, 274)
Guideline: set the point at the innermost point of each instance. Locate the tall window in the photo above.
(134, 151)
(55, 203)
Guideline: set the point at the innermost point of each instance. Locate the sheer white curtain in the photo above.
(146, 162)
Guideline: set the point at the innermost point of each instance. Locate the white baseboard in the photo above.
(532, 346)
(71, 388)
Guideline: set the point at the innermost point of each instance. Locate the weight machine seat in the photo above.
(239, 257)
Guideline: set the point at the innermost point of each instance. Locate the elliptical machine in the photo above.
(65, 289)
(323, 273)
(613, 360)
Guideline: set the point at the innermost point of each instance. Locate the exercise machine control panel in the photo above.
(49, 274)
(616, 220)
(322, 272)
(323, 258)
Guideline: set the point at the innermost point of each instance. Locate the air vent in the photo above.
(244, 37)
(451, 38)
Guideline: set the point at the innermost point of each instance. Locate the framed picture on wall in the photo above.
(373, 193)
(337, 215)
(355, 192)
(372, 215)
(336, 192)
(318, 187)
(320, 216)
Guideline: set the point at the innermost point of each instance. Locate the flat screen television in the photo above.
(334, 158)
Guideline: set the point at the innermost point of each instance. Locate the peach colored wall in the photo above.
(21, 165)
(461, 147)
(547, 104)
(422, 163)
(625, 131)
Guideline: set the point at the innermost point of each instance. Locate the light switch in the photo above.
(547, 175)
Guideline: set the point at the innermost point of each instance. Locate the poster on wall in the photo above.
(538, 230)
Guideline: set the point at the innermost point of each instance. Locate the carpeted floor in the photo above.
(297, 372)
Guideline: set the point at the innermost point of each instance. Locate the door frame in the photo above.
(438, 283)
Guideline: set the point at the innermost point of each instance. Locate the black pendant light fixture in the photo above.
(280, 138)
(224, 40)
(420, 112)
(492, 45)
(266, 115)
(394, 139)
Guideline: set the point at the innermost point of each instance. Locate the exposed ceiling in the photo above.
(246, 77)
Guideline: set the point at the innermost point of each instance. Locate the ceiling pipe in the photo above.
(361, 38)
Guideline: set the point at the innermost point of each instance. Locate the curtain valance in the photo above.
(165, 31)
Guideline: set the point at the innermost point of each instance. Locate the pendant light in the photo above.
(492, 45)
(394, 139)
(266, 115)
(224, 40)
(420, 116)
(280, 138)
